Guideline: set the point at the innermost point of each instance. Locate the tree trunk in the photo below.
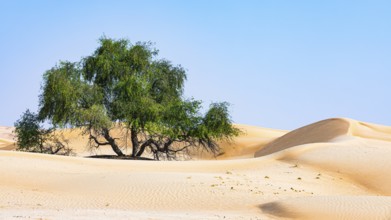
(143, 146)
(167, 145)
(114, 146)
(135, 143)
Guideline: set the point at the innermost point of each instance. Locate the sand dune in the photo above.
(325, 131)
(332, 169)
(7, 138)
(252, 139)
(360, 151)
(7, 146)
(331, 207)
(354, 152)
(6, 134)
(318, 132)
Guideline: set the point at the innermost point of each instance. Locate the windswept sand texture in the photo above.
(251, 139)
(333, 169)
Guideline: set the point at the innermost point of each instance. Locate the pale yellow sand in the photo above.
(331, 207)
(6, 134)
(244, 146)
(355, 152)
(335, 169)
(7, 138)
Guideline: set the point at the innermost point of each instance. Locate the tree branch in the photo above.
(97, 142)
(144, 145)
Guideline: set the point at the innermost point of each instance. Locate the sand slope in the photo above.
(7, 138)
(331, 207)
(6, 134)
(333, 169)
(354, 152)
(318, 132)
(244, 146)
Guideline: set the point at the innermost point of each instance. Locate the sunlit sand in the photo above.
(333, 169)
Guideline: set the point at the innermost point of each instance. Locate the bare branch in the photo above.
(98, 142)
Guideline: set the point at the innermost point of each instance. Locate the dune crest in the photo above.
(6, 134)
(246, 144)
(332, 169)
(7, 138)
(322, 131)
(369, 130)
(325, 131)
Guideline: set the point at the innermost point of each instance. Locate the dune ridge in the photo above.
(350, 150)
(318, 132)
(333, 169)
(7, 138)
(251, 139)
(6, 134)
(325, 131)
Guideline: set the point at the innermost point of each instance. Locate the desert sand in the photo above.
(332, 169)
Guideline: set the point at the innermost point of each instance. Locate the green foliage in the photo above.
(124, 84)
(28, 132)
(32, 137)
(62, 91)
(217, 122)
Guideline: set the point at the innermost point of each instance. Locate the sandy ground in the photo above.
(333, 169)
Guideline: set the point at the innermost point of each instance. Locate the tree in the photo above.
(124, 85)
(32, 137)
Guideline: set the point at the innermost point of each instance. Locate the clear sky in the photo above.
(281, 64)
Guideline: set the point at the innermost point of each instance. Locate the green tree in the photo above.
(124, 85)
(32, 137)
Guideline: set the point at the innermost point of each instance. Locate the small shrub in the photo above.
(32, 137)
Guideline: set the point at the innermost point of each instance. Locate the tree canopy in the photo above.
(125, 85)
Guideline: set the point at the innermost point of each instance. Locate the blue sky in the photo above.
(281, 64)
